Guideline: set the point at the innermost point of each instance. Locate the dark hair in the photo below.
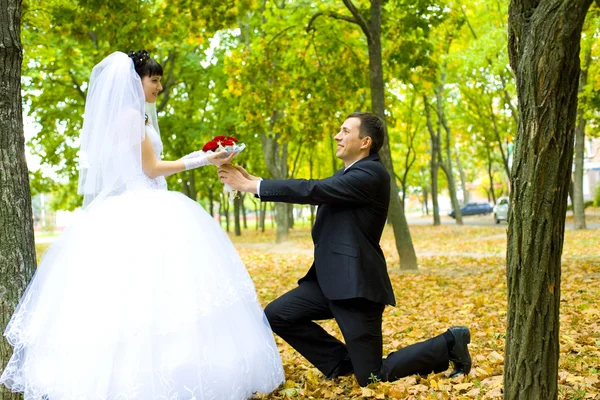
(144, 65)
(370, 125)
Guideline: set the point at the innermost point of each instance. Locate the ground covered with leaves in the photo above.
(460, 281)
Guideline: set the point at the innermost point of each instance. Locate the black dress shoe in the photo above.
(343, 368)
(459, 354)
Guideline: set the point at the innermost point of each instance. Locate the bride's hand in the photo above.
(220, 158)
(246, 174)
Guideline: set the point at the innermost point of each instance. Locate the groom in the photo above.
(348, 280)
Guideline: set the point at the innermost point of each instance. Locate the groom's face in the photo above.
(349, 144)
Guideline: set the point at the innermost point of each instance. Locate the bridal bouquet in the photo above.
(220, 143)
(228, 144)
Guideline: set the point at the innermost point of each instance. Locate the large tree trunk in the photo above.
(547, 75)
(275, 156)
(578, 202)
(404, 244)
(17, 248)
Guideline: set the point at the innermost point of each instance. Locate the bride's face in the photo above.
(152, 87)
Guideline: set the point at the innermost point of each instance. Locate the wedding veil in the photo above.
(113, 129)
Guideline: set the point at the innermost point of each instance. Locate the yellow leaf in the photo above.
(366, 392)
(463, 386)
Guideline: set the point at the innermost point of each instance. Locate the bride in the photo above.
(144, 297)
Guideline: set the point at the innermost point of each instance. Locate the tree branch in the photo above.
(279, 34)
(295, 165)
(468, 23)
(428, 116)
(359, 18)
(77, 86)
(92, 35)
(331, 14)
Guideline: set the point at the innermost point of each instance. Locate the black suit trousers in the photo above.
(292, 317)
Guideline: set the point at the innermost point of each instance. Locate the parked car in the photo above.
(501, 210)
(474, 209)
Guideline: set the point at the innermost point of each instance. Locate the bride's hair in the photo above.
(144, 65)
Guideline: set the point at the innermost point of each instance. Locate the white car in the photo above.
(501, 210)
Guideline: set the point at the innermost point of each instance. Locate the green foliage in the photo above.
(282, 76)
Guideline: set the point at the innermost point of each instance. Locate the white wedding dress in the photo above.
(143, 298)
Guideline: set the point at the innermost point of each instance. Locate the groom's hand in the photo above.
(246, 174)
(236, 180)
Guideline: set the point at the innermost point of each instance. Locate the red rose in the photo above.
(227, 142)
(210, 146)
(218, 138)
(232, 139)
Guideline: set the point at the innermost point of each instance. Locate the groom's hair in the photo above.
(370, 125)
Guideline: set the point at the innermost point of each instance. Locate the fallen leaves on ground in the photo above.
(461, 281)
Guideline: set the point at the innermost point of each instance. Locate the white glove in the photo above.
(195, 160)
(194, 154)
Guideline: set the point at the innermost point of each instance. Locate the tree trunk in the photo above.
(463, 180)
(274, 216)
(263, 215)
(236, 216)
(211, 199)
(17, 248)
(244, 216)
(499, 140)
(281, 218)
(491, 175)
(290, 216)
(404, 244)
(433, 163)
(543, 44)
(447, 165)
(256, 213)
(191, 184)
(224, 209)
(578, 202)
(425, 200)
(275, 156)
(452, 191)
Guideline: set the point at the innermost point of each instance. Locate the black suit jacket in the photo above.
(353, 206)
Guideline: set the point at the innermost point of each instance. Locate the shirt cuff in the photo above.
(258, 187)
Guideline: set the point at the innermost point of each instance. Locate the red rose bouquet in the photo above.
(220, 143)
(228, 144)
